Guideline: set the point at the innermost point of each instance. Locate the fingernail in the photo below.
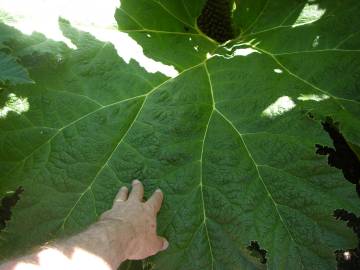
(158, 190)
(165, 245)
(135, 182)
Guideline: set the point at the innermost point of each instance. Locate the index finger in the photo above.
(122, 195)
(156, 200)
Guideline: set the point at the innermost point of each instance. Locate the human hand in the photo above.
(141, 219)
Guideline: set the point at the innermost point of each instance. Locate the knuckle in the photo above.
(149, 206)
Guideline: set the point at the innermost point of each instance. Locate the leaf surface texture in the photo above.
(230, 140)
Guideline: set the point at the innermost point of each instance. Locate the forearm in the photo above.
(126, 231)
(99, 247)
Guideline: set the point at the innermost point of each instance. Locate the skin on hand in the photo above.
(141, 220)
(126, 231)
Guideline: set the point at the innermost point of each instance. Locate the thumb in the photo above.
(162, 243)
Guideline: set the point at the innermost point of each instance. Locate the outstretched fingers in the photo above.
(156, 200)
(137, 192)
(122, 195)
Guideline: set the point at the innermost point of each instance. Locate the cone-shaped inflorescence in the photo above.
(216, 20)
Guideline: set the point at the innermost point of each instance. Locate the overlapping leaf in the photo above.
(231, 140)
(11, 71)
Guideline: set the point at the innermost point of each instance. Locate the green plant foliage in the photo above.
(11, 72)
(230, 140)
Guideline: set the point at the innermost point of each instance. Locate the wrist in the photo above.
(119, 236)
(106, 241)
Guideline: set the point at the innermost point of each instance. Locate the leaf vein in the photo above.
(260, 178)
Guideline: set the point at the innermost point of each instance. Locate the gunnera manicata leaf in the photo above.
(229, 140)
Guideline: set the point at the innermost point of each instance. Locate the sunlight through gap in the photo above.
(236, 50)
(279, 107)
(313, 97)
(15, 104)
(95, 17)
(310, 13)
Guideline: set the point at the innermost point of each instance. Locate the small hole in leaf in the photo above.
(310, 115)
(7, 203)
(257, 252)
(341, 155)
(348, 259)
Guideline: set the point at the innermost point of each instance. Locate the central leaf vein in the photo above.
(201, 167)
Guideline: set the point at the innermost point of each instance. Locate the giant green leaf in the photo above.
(230, 140)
